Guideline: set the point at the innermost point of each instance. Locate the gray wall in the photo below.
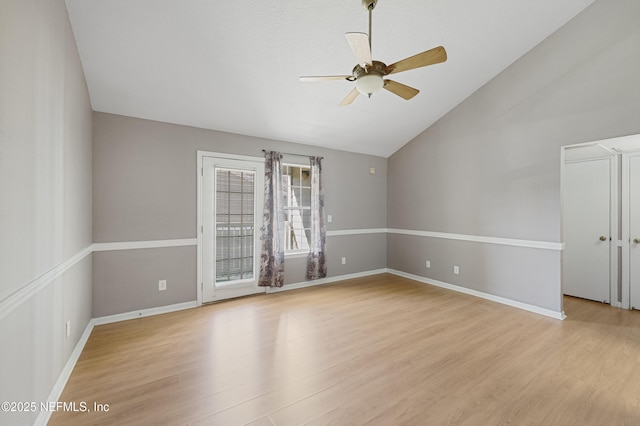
(45, 199)
(491, 167)
(144, 189)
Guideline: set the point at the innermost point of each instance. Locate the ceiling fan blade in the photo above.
(359, 43)
(325, 77)
(406, 92)
(350, 97)
(430, 57)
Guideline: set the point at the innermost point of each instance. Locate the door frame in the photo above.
(200, 220)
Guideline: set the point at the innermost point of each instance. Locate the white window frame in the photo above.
(297, 252)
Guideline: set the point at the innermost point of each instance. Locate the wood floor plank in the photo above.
(375, 350)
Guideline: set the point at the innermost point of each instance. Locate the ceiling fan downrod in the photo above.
(369, 5)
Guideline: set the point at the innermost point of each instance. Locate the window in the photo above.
(297, 208)
(234, 224)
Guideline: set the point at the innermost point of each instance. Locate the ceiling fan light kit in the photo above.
(368, 74)
(369, 80)
(369, 84)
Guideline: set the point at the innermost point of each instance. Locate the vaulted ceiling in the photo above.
(234, 65)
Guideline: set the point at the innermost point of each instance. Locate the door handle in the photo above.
(603, 238)
(636, 241)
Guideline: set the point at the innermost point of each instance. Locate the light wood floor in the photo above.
(381, 350)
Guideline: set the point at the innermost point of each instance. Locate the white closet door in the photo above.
(586, 229)
(634, 229)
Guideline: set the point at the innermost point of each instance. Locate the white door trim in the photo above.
(625, 217)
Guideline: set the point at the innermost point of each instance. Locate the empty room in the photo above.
(307, 213)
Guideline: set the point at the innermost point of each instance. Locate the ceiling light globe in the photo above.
(368, 84)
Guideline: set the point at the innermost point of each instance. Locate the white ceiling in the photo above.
(234, 65)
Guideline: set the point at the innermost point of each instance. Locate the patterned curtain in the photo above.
(272, 256)
(316, 263)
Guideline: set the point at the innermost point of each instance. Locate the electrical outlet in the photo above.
(162, 285)
(329, 218)
(456, 269)
(344, 260)
(68, 328)
(428, 264)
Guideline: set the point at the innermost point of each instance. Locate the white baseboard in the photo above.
(54, 395)
(482, 295)
(322, 281)
(144, 313)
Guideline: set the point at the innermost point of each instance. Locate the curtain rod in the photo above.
(297, 155)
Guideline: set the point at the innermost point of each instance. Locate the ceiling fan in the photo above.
(369, 74)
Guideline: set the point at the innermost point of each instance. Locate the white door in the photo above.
(586, 229)
(633, 236)
(231, 194)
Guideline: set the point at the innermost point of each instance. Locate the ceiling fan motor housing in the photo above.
(376, 67)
